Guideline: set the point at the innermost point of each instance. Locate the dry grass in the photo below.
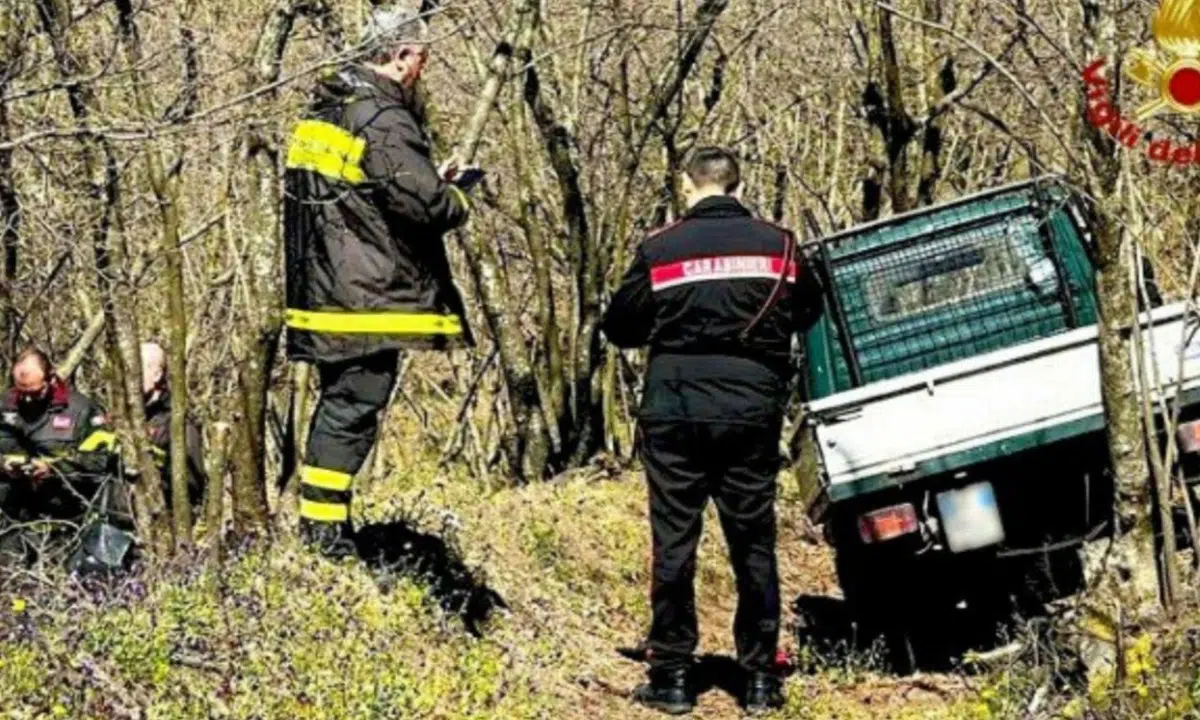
(279, 634)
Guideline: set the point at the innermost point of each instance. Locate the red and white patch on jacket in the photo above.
(61, 422)
(722, 267)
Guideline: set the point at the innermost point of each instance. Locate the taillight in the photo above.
(1188, 437)
(887, 523)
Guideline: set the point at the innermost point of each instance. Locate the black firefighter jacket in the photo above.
(68, 430)
(365, 211)
(717, 297)
(158, 427)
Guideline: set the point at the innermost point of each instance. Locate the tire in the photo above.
(869, 580)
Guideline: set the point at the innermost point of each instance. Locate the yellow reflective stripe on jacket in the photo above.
(324, 512)
(97, 440)
(463, 198)
(385, 323)
(325, 479)
(327, 149)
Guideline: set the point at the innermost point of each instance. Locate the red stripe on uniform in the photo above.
(721, 267)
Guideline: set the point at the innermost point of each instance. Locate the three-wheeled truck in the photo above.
(952, 398)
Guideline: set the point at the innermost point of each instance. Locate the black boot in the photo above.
(764, 692)
(668, 690)
(334, 540)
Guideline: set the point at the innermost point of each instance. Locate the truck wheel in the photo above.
(869, 585)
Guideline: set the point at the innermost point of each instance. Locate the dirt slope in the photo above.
(277, 633)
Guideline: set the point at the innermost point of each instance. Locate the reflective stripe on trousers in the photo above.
(324, 494)
(344, 427)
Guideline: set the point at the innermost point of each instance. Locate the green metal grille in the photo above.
(949, 283)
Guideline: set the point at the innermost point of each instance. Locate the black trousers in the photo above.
(343, 429)
(736, 465)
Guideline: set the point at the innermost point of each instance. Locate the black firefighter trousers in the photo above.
(343, 429)
(736, 465)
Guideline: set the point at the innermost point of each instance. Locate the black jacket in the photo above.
(364, 215)
(707, 294)
(70, 430)
(158, 427)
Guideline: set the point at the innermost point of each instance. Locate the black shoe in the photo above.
(334, 540)
(668, 690)
(764, 692)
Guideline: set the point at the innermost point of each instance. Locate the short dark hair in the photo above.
(714, 166)
(40, 355)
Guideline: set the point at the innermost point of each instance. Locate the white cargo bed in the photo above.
(905, 427)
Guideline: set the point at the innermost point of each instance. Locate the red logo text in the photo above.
(1103, 114)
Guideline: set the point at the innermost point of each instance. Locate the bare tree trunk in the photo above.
(524, 16)
(938, 85)
(265, 311)
(299, 409)
(167, 197)
(10, 206)
(527, 445)
(1134, 550)
(214, 498)
(556, 140)
(548, 372)
(82, 346)
(595, 368)
(894, 122)
(250, 508)
(1127, 448)
(100, 166)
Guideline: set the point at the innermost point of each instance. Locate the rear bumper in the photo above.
(1048, 498)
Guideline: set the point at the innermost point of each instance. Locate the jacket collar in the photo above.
(160, 404)
(718, 206)
(362, 80)
(60, 394)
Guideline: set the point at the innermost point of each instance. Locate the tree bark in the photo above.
(265, 311)
(527, 443)
(1134, 547)
(556, 140)
(897, 125)
(591, 360)
(82, 346)
(250, 509)
(166, 197)
(10, 206)
(214, 498)
(153, 518)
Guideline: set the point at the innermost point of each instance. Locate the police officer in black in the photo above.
(56, 445)
(367, 271)
(717, 297)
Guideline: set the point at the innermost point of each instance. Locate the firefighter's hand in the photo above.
(448, 169)
(39, 470)
(14, 467)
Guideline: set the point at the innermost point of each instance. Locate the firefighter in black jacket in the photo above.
(57, 451)
(156, 399)
(717, 297)
(367, 272)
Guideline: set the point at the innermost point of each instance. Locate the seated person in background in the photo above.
(57, 447)
(157, 398)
